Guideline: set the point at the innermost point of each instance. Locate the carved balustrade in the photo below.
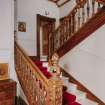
(38, 89)
(71, 24)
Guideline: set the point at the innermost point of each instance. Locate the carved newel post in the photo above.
(55, 83)
(53, 66)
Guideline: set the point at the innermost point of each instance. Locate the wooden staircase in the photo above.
(86, 17)
(37, 84)
(40, 87)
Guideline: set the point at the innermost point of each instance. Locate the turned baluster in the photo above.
(51, 44)
(69, 30)
(60, 36)
(52, 41)
(99, 6)
(26, 83)
(19, 63)
(71, 24)
(67, 37)
(88, 9)
(56, 41)
(74, 21)
(34, 89)
(30, 87)
(93, 7)
(49, 47)
(79, 18)
(63, 32)
(83, 15)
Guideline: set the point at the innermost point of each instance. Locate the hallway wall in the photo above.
(7, 39)
(26, 12)
(86, 62)
(7, 34)
(66, 8)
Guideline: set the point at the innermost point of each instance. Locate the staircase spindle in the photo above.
(99, 6)
(88, 10)
(63, 32)
(66, 33)
(93, 7)
(74, 21)
(68, 27)
(79, 18)
(83, 15)
(65, 27)
(71, 25)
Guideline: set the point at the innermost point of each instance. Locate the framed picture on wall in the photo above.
(22, 26)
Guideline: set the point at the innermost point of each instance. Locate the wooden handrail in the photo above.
(101, 1)
(36, 86)
(71, 12)
(77, 18)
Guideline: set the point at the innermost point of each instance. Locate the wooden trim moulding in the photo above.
(63, 3)
(81, 87)
(101, 1)
(39, 19)
(34, 58)
(88, 28)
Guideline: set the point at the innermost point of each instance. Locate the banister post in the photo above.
(55, 83)
(55, 91)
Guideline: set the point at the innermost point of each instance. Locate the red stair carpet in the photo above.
(68, 99)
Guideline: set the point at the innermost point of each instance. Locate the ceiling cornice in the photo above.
(59, 3)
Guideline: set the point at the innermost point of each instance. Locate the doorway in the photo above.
(45, 26)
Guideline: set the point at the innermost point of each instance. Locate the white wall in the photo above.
(86, 62)
(7, 34)
(27, 10)
(7, 38)
(66, 9)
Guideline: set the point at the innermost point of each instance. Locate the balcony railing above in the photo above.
(78, 17)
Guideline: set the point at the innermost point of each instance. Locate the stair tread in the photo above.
(80, 95)
(75, 103)
(75, 95)
(87, 102)
(72, 87)
(45, 64)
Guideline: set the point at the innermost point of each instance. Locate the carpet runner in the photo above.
(68, 99)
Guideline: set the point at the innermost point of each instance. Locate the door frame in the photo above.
(41, 18)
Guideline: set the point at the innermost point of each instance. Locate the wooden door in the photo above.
(47, 28)
(45, 25)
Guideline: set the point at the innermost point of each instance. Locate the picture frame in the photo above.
(22, 26)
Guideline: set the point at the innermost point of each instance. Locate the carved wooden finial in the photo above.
(54, 67)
